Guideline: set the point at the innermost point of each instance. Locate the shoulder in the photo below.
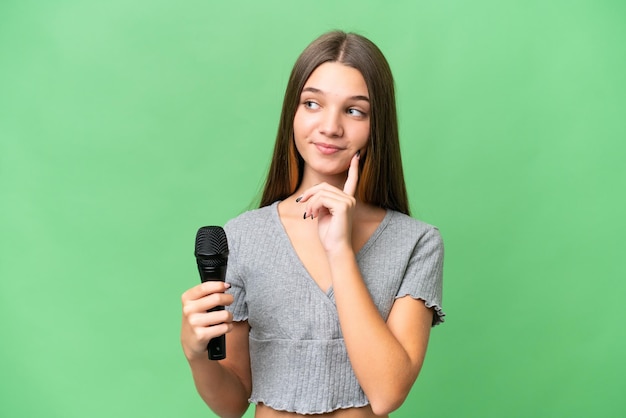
(249, 218)
(251, 225)
(405, 227)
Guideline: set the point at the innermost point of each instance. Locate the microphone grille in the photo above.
(211, 241)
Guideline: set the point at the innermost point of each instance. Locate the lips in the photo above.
(327, 149)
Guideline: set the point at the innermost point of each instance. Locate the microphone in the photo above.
(212, 256)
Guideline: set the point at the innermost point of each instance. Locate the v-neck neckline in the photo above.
(329, 293)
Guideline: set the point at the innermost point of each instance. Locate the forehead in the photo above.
(337, 79)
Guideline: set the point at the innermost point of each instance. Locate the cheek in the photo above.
(298, 125)
(364, 135)
(299, 133)
(303, 125)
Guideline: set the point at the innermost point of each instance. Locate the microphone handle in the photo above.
(217, 345)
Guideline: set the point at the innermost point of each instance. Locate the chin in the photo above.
(330, 172)
(325, 167)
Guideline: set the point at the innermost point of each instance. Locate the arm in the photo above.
(386, 356)
(224, 385)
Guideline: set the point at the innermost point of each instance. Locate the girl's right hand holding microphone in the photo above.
(199, 326)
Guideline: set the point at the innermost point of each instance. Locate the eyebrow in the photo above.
(318, 91)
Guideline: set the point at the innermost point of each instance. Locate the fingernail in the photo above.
(227, 285)
(358, 154)
(299, 199)
(304, 217)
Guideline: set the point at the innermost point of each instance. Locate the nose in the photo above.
(330, 124)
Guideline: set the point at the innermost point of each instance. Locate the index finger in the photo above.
(203, 289)
(353, 175)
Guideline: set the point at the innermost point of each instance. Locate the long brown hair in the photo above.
(381, 179)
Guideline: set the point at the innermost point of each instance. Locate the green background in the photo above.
(126, 125)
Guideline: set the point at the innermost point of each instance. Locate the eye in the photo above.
(310, 104)
(356, 112)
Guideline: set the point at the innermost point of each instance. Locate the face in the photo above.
(332, 121)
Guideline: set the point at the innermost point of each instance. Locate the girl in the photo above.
(331, 288)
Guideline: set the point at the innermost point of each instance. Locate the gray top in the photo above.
(298, 356)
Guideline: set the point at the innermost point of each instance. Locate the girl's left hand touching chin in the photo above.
(334, 209)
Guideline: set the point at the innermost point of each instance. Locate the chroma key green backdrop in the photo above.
(126, 125)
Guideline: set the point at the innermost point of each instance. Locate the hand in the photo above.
(334, 209)
(198, 325)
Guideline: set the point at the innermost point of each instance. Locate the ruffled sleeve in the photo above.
(234, 276)
(423, 278)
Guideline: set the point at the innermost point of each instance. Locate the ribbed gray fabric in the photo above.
(298, 357)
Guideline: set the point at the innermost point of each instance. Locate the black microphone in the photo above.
(212, 256)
